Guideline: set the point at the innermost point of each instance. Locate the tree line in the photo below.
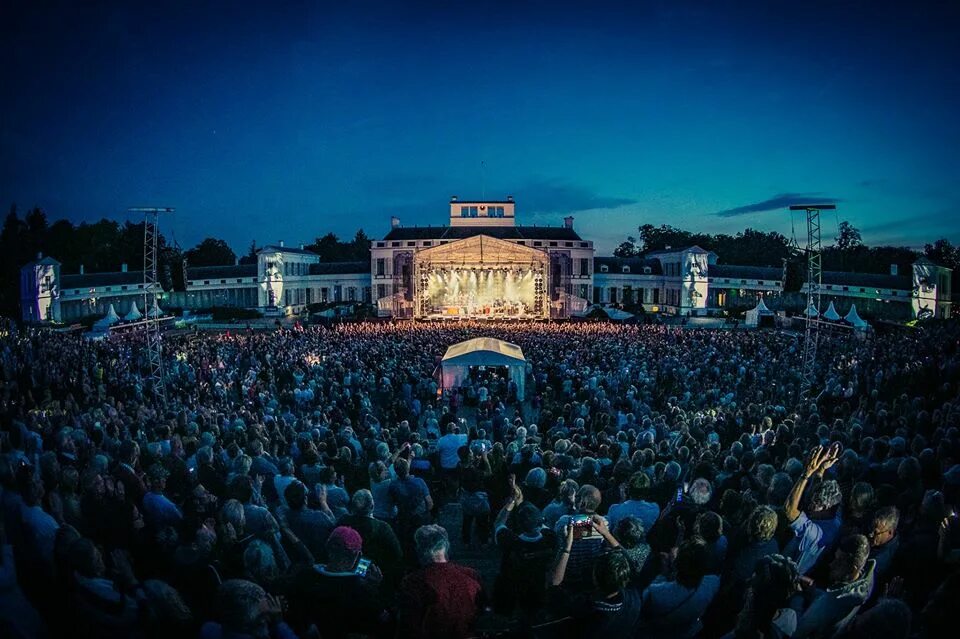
(751, 247)
(107, 244)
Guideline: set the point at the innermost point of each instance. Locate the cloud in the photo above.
(780, 201)
(558, 196)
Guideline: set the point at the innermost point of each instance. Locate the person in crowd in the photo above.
(636, 505)
(341, 596)
(380, 543)
(311, 526)
(851, 583)
(673, 607)
(817, 530)
(611, 608)
(565, 503)
(525, 554)
(589, 540)
(441, 599)
(884, 541)
(766, 610)
(246, 611)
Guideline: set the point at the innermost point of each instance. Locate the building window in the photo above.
(351, 294)
(204, 281)
(647, 270)
(743, 281)
(324, 294)
(538, 243)
(863, 290)
(584, 245)
(553, 243)
(123, 288)
(239, 280)
(760, 282)
(411, 243)
(428, 243)
(469, 211)
(394, 244)
(223, 281)
(381, 291)
(494, 211)
(568, 244)
(381, 267)
(381, 244)
(626, 269)
(604, 268)
(521, 242)
(584, 266)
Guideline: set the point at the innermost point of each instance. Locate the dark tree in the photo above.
(627, 249)
(211, 252)
(848, 237)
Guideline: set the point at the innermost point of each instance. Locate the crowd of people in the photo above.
(655, 482)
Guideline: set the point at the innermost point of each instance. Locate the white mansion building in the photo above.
(480, 264)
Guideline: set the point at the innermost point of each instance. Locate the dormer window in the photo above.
(626, 269)
(647, 270)
(604, 268)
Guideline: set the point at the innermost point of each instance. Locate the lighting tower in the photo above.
(151, 287)
(814, 281)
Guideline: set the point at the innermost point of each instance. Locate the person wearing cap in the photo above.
(338, 597)
(158, 511)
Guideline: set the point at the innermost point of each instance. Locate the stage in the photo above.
(481, 278)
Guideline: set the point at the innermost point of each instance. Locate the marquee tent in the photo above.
(752, 317)
(812, 311)
(134, 313)
(108, 320)
(853, 318)
(483, 351)
(155, 311)
(831, 313)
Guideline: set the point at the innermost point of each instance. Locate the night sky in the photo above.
(290, 121)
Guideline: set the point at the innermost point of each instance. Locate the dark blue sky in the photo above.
(293, 120)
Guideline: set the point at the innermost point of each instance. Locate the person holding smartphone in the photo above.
(341, 596)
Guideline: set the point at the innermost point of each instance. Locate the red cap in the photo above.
(345, 538)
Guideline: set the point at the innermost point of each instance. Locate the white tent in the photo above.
(134, 313)
(483, 351)
(617, 314)
(831, 313)
(111, 317)
(853, 318)
(752, 317)
(155, 311)
(108, 320)
(812, 311)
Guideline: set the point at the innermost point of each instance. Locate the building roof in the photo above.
(42, 260)
(96, 280)
(680, 249)
(221, 272)
(276, 248)
(742, 272)
(339, 268)
(868, 280)
(636, 264)
(549, 233)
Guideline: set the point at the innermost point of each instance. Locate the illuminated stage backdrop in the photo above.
(481, 276)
